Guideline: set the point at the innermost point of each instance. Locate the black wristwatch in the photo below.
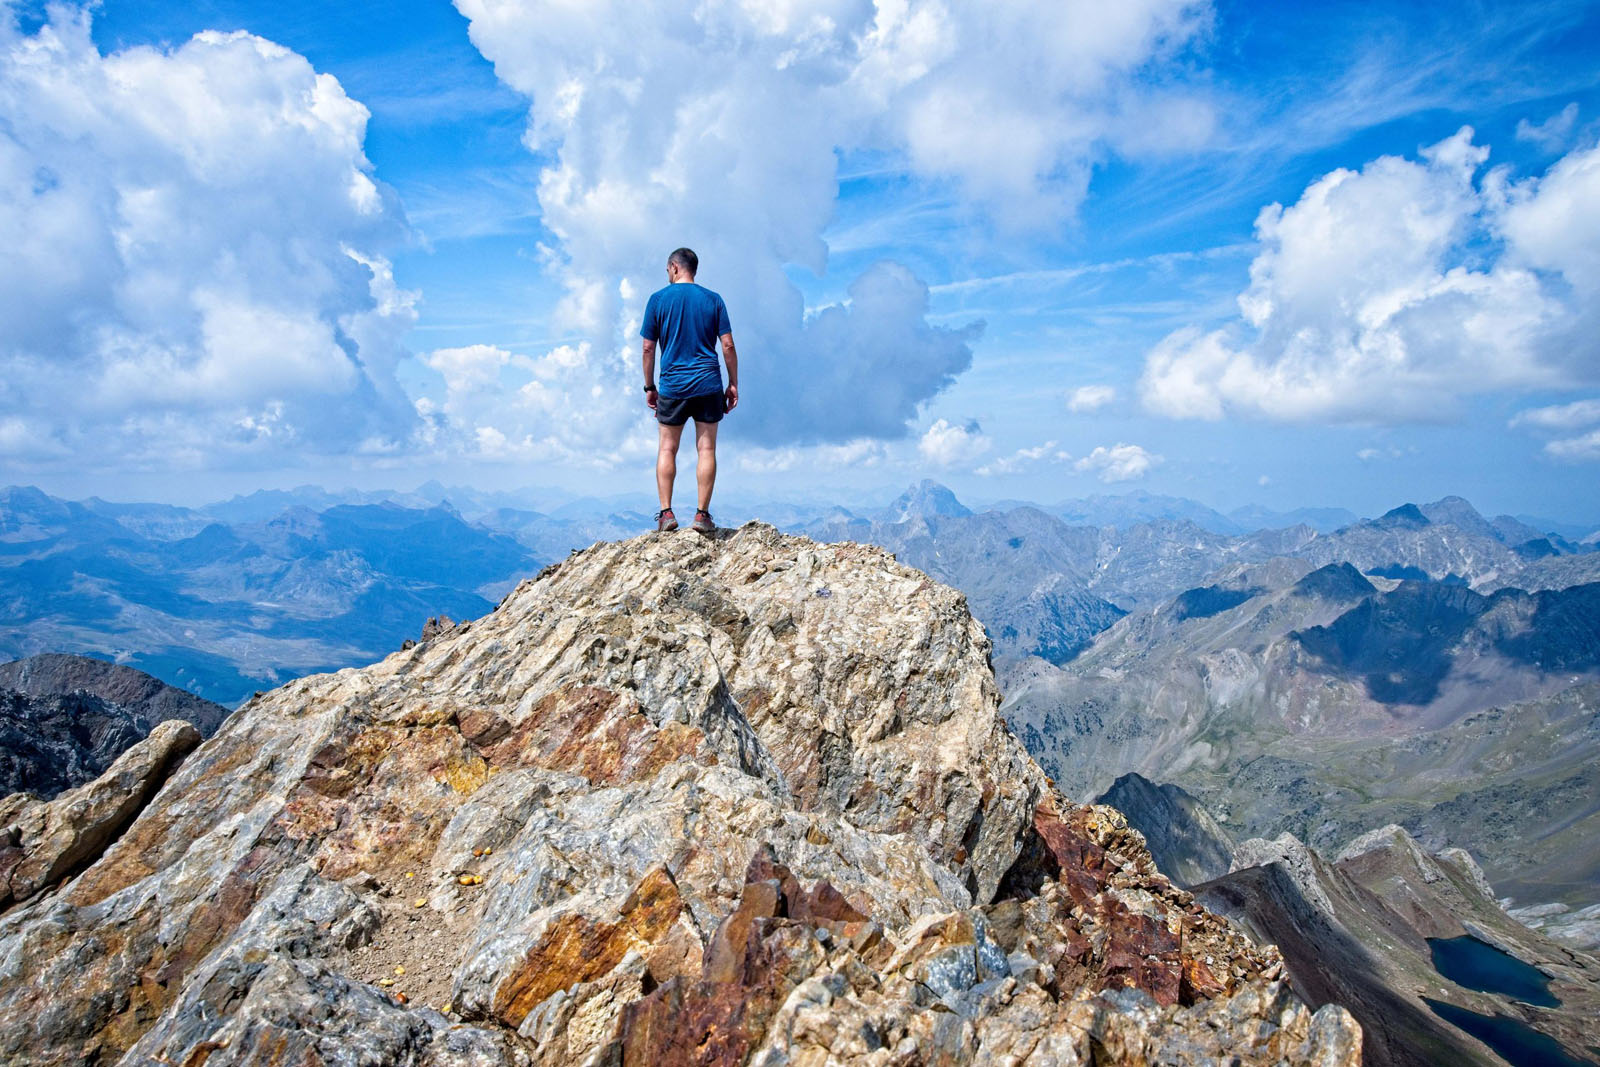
(649, 388)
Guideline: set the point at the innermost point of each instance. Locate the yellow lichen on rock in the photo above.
(465, 773)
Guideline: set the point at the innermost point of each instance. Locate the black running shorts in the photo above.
(677, 410)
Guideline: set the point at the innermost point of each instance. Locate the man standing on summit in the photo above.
(687, 320)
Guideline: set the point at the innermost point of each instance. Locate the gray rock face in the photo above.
(64, 719)
(1579, 928)
(741, 799)
(1187, 843)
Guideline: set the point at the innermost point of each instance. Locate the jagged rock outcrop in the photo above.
(742, 799)
(65, 719)
(1361, 930)
(42, 842)
(1185, 840)
(1579, 927)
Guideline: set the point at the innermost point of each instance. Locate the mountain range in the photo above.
(222, 609)
(247, 592)
(1392, 670)
(1429, 668)
(1323, 701)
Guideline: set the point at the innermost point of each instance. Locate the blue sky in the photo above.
(1028, 250)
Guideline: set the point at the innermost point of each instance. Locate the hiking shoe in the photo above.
(702, 521)
(666, 522)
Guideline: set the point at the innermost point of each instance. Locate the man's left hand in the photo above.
(732, 397)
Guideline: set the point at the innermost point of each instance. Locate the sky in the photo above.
(1293, 255)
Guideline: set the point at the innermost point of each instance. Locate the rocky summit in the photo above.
(678, 800)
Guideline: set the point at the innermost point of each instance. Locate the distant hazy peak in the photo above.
(1406, 516)
(1139, 507)
(926, 498)
(1457, 512)
(25, 496)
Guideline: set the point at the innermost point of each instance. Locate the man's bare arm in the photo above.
(731, 358)
(650, 370)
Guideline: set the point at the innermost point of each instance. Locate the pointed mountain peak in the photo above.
(1336, 581)
(1457, 512)
(926, 499)
(1404, 517)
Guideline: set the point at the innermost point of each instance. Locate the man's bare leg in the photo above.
(705, 467)
(667, 462)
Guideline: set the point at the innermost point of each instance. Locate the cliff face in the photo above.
(64, 719)
(1363, 930)
(678, 800)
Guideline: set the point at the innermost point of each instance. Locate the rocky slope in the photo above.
(678, 800)
(64, 719)
(1325, 702)
(1364, 930)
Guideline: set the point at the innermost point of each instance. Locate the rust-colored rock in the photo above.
(603, 735)
(1139, 949)
(575, 949)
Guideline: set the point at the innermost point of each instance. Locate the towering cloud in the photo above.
(192, 257)
(720, 125)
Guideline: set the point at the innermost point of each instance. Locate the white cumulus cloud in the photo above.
(192, 262)
(1118, 463)
(949, 444)
(1088, 398)
(1380, 296)
(720, 125)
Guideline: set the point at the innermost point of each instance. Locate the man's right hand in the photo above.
(651, 397)
(732, 397)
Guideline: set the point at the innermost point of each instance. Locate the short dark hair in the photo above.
(686, 259)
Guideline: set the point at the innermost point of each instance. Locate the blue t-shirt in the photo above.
(685, 319)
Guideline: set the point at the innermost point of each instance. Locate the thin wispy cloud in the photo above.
(1087, 398)
(1058, 276)
(1554, 132)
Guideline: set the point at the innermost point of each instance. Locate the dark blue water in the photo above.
(1514, 1040)
(1471, 964)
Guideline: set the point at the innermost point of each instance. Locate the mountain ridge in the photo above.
(65, 719)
